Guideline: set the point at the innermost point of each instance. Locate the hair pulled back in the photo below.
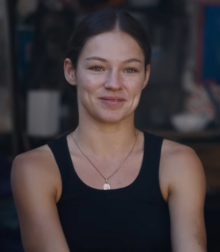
(106, 20)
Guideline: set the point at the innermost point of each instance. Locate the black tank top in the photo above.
(134, 218)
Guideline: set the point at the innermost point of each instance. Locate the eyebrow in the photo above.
(96, 58)
(132, 60)
(104, 60)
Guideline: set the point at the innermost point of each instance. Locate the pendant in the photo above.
(106, 186)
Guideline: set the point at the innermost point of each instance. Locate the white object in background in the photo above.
(187, 122)
(43, 113)
(143, 3)
(26, 7)
(197, 101)
(188, 82)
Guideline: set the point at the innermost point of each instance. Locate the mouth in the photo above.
(112, 101)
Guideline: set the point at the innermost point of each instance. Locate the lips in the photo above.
(112, 98)
(112, 101)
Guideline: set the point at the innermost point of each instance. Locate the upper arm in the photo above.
(186, 202)
(34, 190)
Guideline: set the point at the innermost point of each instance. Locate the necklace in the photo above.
(106, 185)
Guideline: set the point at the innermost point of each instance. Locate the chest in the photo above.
(117, 174)
(133, 216)
(115, 224)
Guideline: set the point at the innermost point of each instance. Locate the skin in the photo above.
(117, 70)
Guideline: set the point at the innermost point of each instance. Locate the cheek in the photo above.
(134, 85)
(90, 83)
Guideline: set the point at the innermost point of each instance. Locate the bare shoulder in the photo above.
(172, 150)
(36, 187)
(180, 166)
(36, 168)
(39, 155)
(179, 158)
(182, 175)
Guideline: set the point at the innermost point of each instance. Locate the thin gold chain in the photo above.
(106, 179)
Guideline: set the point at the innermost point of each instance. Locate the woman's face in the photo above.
(110, 76)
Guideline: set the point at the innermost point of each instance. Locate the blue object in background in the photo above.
(10, 240)
(211, 44)
(25, 36)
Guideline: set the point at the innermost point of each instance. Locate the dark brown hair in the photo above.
(103, 21)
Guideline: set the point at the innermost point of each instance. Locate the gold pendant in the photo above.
(106, 186)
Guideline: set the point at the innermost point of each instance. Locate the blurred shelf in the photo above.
(175, 135)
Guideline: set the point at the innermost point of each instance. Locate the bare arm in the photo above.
(34, 184)
(186, 202)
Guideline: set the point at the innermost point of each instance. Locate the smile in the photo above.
(112, 101)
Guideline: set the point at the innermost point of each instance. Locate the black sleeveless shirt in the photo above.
(134, 218)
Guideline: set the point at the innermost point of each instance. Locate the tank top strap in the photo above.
(149, 179)
(153, 146)
(60, 152)
(147, 182)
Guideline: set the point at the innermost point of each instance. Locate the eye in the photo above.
(130, 70)
(97, 69)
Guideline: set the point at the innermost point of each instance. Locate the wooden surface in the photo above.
(209, 154)
(175, 135)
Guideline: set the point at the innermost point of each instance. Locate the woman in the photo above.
(108, 186)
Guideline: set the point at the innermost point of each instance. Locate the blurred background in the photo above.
(181, 102)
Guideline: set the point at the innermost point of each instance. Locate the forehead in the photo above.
(112, 45)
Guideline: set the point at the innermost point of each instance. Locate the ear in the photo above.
(69, 72)
(147, 76)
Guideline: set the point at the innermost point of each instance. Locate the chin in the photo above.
(110, 121)
(111, 118)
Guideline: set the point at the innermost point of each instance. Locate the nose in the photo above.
(113, 80)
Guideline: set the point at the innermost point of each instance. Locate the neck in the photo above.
(106, 140)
